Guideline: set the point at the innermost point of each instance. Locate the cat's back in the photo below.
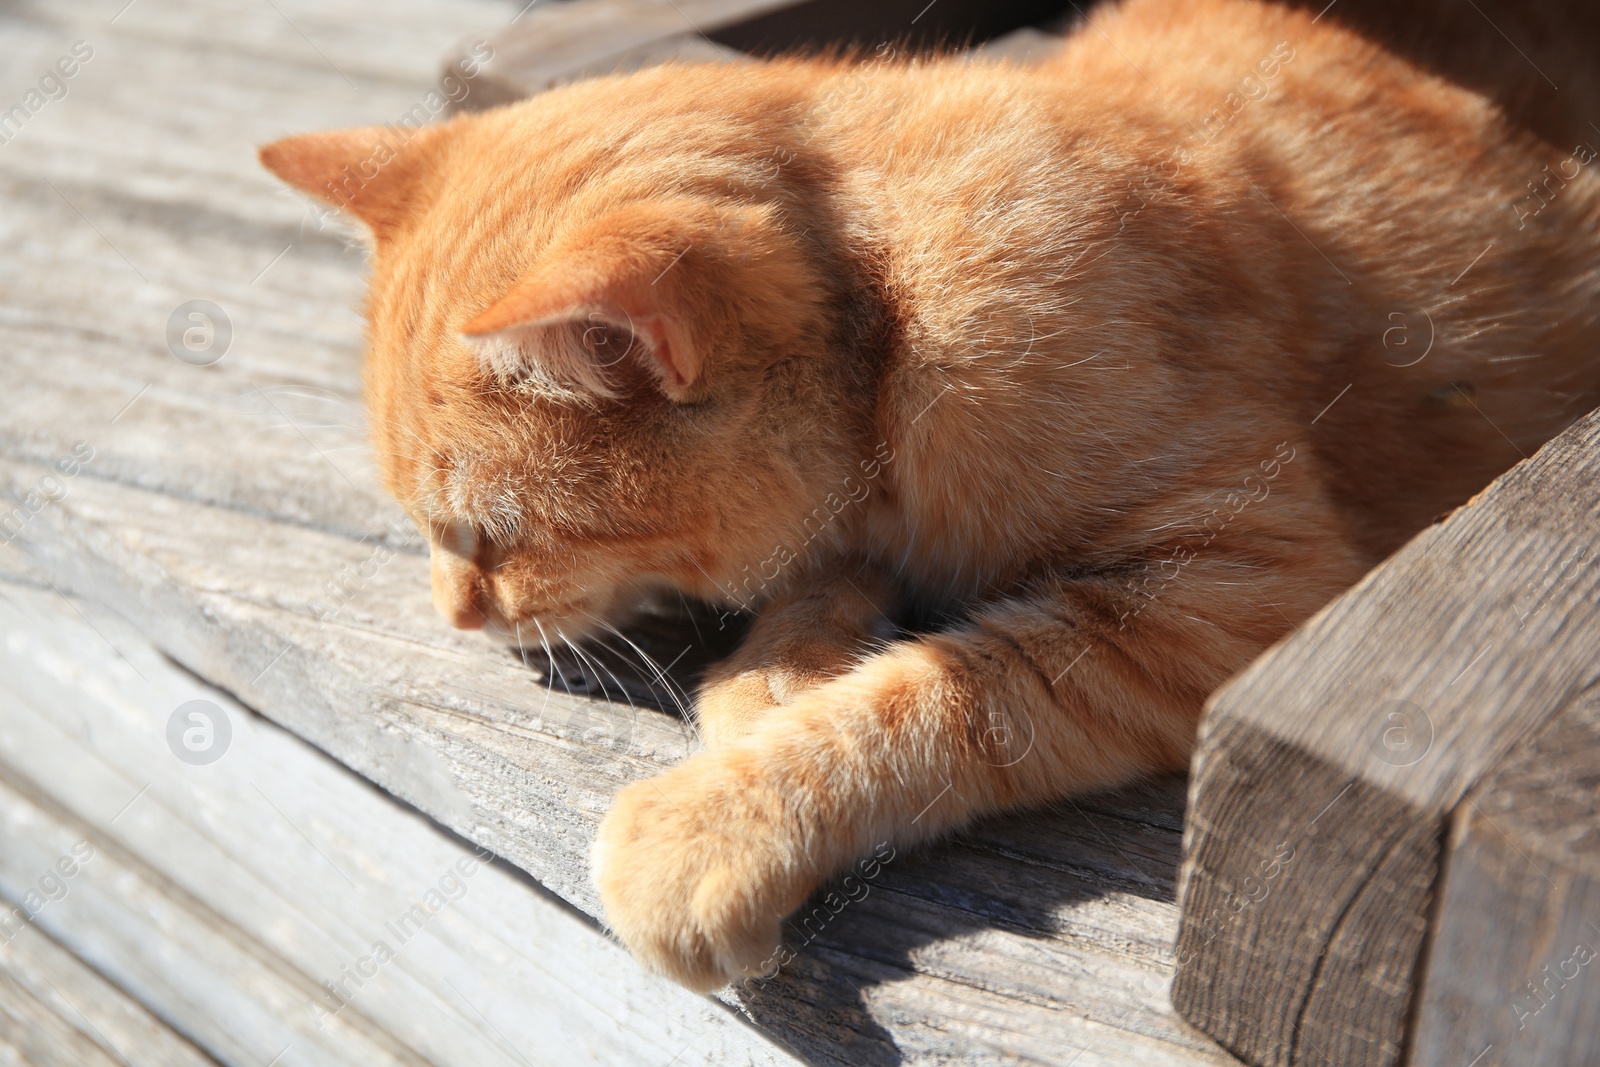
(1250, 189)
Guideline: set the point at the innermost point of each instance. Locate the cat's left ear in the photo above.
(372, 172)
(648, 290)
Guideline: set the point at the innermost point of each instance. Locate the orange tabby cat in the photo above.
(1103, 374)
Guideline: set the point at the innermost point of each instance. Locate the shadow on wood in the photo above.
(932, 909)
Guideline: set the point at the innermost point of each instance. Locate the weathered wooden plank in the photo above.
(221, 974)
(447, 721)
(552, 44)
(1327, 771)
(31, 1033)
(940, 951)
(55, 1011)
(1509, 977)
(907, 24)
(227, 893)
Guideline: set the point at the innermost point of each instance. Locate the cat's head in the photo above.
(601, 343)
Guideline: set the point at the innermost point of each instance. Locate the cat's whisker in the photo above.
(692, 621)
(622, 688)
(550, 656)
(650, 663)
(672, 693)
(593, 660)
(523, 653)
(584, 661)
(644, 660)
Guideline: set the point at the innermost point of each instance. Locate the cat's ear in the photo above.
(633, 294)
(370, 172)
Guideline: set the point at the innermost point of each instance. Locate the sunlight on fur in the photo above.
(1023, 405)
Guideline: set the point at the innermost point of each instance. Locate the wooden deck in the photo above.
(222, 535)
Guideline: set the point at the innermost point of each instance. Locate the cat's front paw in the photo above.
(733, 699)
(694, 871)
(731, 703)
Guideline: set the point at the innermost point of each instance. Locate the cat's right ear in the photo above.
(629, 292)
(654, 294)
(368, 172)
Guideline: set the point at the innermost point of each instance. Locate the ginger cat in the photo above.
(1022, 405)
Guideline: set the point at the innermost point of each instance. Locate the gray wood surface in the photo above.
(222, 502)
(1511, 971)
(224, 895)
(552, 44)
(1348, 746)
(55, 1011)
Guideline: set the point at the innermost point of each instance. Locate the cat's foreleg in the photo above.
(1082, 684)
(797, 642)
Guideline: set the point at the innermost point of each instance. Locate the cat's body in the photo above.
(1114, 369)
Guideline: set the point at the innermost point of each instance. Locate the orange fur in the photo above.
(1089, 370)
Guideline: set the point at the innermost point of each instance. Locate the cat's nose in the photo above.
(457, 590)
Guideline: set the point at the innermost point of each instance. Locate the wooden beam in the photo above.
(1327, 773)
(1511, 975)
(552, 44)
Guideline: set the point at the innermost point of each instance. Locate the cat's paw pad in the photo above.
(692, 877)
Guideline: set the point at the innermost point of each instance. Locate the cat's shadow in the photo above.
(655, 660)
(993, 921)
(985, 917)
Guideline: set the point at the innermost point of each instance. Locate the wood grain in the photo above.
(55, 1011)
(557, 43)
(1352, 742)
(225, 895)
(222, 501)
(1510, 975)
